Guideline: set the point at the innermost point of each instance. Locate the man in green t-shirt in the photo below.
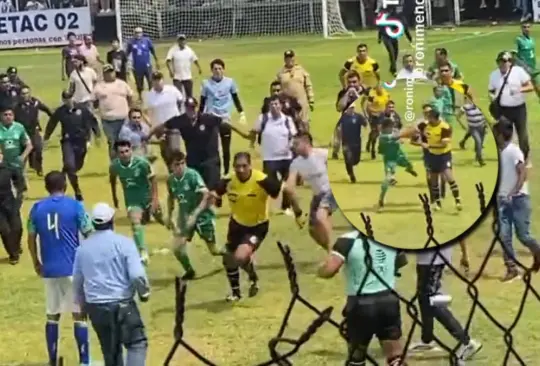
(443, 102)
(140, 191)
(15, 143)
(441, 58)
(525, 56)
(186, 186)
(372, 307)
(393, 156)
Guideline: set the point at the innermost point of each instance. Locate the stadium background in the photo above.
(237, 335)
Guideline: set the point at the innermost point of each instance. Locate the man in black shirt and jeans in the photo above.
(10, 215)
(118, 58)
(77, 124)
(27, 113)
(9, 94)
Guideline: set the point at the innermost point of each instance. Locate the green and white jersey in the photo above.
(188, 191)
(526, 50)
(13, 139)
(350, 247)
(135, 177)
(390, 146)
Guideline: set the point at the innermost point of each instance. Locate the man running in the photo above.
(526, 55)
(218, 95)
(195, 215)
(140, 191)
(179, 60)
(365, 66)
(140, 48)
(118, 59)
(14, 141)
(312, 165)
(375, 103)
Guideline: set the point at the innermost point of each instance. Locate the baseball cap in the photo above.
(181, 36)
(138, 30)
(102, 213)
(12, 70)
(288, 53)
(108, 68)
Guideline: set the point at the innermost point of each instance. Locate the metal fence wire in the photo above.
(324, 316)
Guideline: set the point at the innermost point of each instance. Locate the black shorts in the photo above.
(240, 234)
(374, 121)
(210, 171)
(438, 163)
(374, 314)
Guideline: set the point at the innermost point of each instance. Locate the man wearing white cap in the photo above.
(107, 273)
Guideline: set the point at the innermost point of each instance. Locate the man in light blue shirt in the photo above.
(219, 94)
(372, 306)
(107, 274)
(136, 132)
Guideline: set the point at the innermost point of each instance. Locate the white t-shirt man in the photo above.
(413, 74)
(276, 136)
(425, 257)
(181, 59)
(509, 159)
(511, 94)
(83, 90)
(163, 105)
(314, 170)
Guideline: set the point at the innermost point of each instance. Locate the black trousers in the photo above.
(352, 154)
(11, 226)
(73, 155)
(36, 155)
(392, 47)
(225, 135)
(210, 171)
(185, 87)
(119, 324)
(429, 283)
(274, 167)
(140, 76)
(518, 116)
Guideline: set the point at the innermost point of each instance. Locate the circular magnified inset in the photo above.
(442, 155)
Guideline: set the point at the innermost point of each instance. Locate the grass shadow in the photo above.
(212, 306)
(4, 260)
(94, 175)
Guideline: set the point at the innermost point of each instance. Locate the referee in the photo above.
(107, 272)
(392, 44)
(372, 308)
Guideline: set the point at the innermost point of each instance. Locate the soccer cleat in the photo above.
(458, 206)
(436, 206)
(423, 347)
(466, 352)
(352, 178)
(226, 176)
(233, 298)
(380, 205)
(253, 289)
(412, 172)
(288, 212)
(189, 275)
(462, 145)
(13, 260)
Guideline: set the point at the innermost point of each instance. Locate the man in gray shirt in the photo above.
(107, 273)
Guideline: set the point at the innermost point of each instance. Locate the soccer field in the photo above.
(237, 334)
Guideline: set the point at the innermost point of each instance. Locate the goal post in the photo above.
(210, 19)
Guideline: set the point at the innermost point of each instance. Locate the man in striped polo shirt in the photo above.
(476, 128)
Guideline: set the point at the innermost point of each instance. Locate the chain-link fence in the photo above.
(324, 316)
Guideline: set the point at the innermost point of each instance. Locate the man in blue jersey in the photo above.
(219, 94)
(140, 48)
(372, 307)
(57, 221)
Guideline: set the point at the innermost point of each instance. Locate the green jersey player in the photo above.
(14, 141)
(140, 191)
(525, 56)
(393, 156)
(443, 101)
(441, 58)
(186, 186)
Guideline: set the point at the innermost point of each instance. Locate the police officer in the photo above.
(27, 113)
(107, 272)
(14, 78)
(77, 123)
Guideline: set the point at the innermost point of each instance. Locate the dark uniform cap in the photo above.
(288, 53)
(191, 102)
(66, 94)
(11, 70)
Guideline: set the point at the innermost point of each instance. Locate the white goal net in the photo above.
(206, 19)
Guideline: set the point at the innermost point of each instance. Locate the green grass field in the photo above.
(237, 335)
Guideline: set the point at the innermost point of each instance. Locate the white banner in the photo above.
(44, 27)
(536, 11)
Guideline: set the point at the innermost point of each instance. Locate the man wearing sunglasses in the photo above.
(507, 87)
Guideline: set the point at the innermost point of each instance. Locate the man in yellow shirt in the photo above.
(364, 65)
(374, 103)
(296, 83)
(439, 157)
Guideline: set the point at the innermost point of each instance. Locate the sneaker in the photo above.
(189, 275)
(458, 206)
(13, 260)
(423, 347)
(352, 178)
(289, 212)
(466, 352)
(436, 206)
(233, 298)
(511, 275)
(253, 289)
(462, 145)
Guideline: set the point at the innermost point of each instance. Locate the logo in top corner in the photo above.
(393, 27)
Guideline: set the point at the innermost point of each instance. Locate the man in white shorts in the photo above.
(57, 221)
(312, 165)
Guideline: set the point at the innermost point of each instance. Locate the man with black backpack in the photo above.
(275, 131)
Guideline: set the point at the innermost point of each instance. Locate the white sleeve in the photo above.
(517, 156)
(170, 53)
(524, 77)
(194, 56)
(491, 85)
(258, 123)
(322, 153)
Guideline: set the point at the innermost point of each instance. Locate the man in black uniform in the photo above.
(118, 58)
(350, 125)
(392, 44)
(10, 215)
(27, 113)
(345, 98)
(9, 94)
(77, 124)
(14, 78)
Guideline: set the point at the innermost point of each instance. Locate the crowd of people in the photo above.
(89, 279)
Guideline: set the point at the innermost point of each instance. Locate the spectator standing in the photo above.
(179, 60)
(57, 221)
(82, 81)
(107, 273)
(114, 98)
(68, 55)
(140, 48)
(118, 58)
(89, 50)
(506, 89)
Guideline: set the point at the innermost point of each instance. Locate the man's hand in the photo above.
(242, 119)
(37, 269)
